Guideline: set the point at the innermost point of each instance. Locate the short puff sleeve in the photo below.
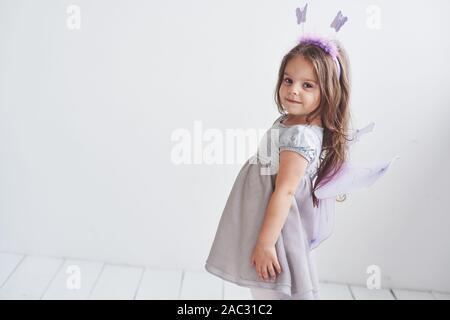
(302, 140)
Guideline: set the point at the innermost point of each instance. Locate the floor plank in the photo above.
(441, 295)
(333, 291)
(160, 284)
(413, 295)
(66, 286)
(8, 262)
(198, 285)
(234, 292)
(31, 278)
(117, 282)
(363, 293)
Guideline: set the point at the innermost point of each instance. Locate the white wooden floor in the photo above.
(32, 277)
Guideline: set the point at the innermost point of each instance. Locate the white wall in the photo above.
(87, 117)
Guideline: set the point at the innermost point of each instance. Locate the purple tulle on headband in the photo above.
(327, 45)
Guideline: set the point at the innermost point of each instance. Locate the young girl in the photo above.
(265, 236)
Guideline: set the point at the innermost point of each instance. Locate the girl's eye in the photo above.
(286, 79)
(306, 85)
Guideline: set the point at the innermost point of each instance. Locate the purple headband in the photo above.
(327, 45)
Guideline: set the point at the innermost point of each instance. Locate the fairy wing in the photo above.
(360, 132)
(323, 222)
(348, 179)
(351, 177)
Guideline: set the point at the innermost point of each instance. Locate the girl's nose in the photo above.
(295, 90)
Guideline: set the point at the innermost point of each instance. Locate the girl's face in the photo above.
(299, 90)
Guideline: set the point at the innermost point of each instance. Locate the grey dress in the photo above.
(242, 217)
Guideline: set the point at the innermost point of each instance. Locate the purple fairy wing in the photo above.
(350, 178)
(360, 132)
(323, 221)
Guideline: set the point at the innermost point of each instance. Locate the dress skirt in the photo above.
(239, 228)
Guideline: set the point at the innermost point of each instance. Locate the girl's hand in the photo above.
(265, 260)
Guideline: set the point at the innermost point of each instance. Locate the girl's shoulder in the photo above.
(303, 139)
(297, 129)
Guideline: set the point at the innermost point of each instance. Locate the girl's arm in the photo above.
(291, 169)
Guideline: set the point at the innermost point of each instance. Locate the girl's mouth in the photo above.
(293, 101)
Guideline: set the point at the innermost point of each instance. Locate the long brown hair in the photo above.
(333, 108)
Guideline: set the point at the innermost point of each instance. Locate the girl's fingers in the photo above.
(264, 273)
(260, 274)
(272, 271)
(277, 266)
